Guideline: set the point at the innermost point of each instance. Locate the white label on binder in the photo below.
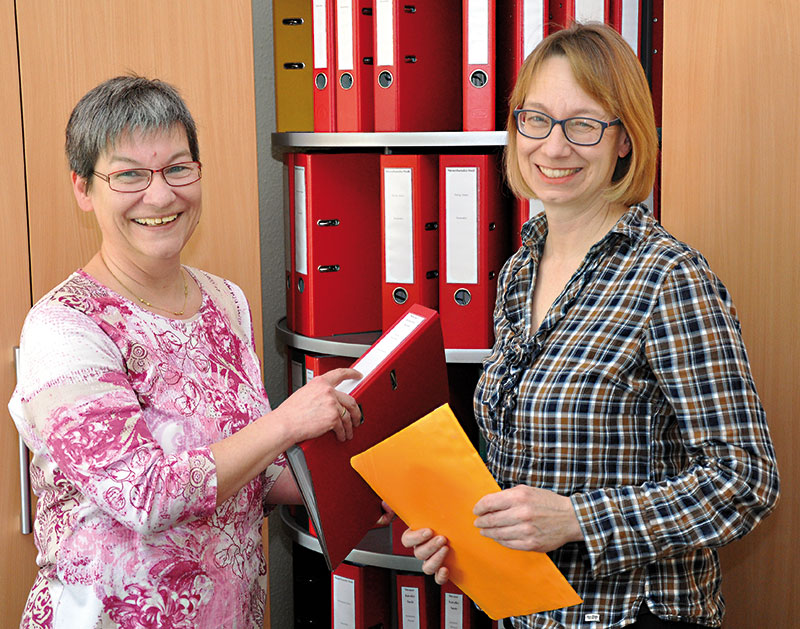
(300, 226)
(287, 225)
(381, 350)
(344, 34)
(630, 24)
(398, 225)
(478, 32)
(297, 375)
(410, 609)
(590, 11)
(461, 217)
(453, 611)
(384, 34)
(344, 602)
(532, 25)
(319, 20)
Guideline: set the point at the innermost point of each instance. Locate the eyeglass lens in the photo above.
(537, 126)
(136, 179)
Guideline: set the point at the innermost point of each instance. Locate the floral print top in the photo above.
(119, 406)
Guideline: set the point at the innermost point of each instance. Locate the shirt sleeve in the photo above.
(695, 351)
(75, 407)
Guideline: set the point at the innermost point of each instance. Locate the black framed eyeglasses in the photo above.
(582, 131)
(138, 179)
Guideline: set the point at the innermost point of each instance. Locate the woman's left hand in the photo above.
(528, 518)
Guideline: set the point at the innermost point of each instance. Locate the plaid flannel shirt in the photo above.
(634, 397)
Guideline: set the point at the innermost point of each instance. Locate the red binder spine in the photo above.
(418, 58)
(457, 610)
(560, 14)
(417, 602)
(479, 79)
(472, 247)
(288, 235)
(521, 25)
(337, 257)
(354, 66)
(323, 23)
(409, 234)
(360, 597)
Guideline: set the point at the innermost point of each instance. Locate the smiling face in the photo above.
(151, 226)
(562, 174)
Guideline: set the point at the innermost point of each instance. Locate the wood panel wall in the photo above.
(17, 562)
(730, 187)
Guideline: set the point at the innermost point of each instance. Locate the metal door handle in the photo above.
(25, 519)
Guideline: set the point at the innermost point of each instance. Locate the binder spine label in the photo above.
(630, 24)
(533, 21)
(453, 610)
(398, 225)
(461, 230)
(478, 32)
(384, 34)
(320, 27)
(344, 602)
(344, 32)
(590, 11)
(410, 611)
(300, 226)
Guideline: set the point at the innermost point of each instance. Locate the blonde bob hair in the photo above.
(606, 69)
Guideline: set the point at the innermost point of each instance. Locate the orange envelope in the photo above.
(502, 581)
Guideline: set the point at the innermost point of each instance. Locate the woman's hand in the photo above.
(318, 407)
(528, 518)
(431, 549)
(387, 516)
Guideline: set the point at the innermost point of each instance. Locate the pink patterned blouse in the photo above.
(119, 406)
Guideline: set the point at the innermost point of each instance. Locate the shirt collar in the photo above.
(632, 226)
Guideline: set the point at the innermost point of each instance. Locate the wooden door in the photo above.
(18, 559)
(731, 184)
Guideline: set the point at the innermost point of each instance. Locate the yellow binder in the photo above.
(292, 41)
(431, 476)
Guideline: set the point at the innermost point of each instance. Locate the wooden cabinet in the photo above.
(730, 187)
(51, 53)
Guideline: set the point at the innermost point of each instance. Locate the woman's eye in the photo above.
(130, 175)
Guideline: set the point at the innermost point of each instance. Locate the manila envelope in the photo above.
(431, 476)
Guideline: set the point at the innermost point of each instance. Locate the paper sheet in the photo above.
(449, 477)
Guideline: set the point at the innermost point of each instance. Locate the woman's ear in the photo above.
(80, 188)
(624, 145)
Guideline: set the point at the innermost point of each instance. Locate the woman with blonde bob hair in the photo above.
(621, 420)
(605, 69)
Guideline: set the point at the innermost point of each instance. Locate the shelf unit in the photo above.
(376, 547)
(374, 550)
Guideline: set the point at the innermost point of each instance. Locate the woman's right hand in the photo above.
(431, 550)
(318, 407)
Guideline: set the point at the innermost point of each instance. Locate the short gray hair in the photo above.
(122, 105)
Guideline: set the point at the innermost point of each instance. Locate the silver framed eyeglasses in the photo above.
(138, 179)
(582, 131)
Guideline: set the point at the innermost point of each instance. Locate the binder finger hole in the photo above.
(462, 297)
(400, 295)
(346, 81)
(385, 78)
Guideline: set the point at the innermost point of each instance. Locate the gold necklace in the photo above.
(147, 303)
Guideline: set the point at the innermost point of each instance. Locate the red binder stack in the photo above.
(360, 597)
(409, 233)
(354, 66)
(472, 247)
(479, 82)
(323, 24)
(337, 258)
(417, 602)
(418, 60)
